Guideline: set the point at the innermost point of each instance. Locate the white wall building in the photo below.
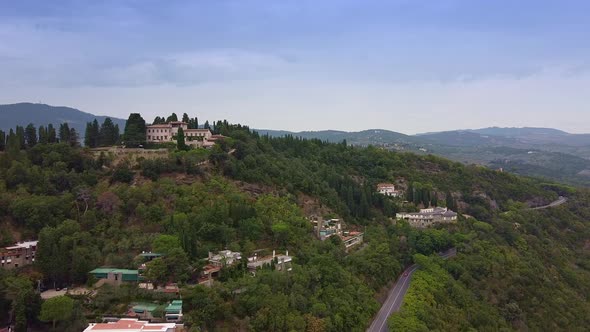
(387, 189)
(428, 217)
(131, 325)
(164, 133)
(224, 258)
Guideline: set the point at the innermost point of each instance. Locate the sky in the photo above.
(405, 65)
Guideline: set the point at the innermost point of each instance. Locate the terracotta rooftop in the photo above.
(130, 325)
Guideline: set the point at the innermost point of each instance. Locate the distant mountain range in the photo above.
(541, 152)
(22, 114)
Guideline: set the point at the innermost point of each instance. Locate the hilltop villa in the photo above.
(388, 189)
(166, 132)
(428, 217)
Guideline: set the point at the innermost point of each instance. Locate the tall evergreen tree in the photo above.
(91, 136)
(64, 133)
(185, 118)
(206, 125)
(410, 193)
(451, 204)
(135, 130)
(196, 125)
(13, 145)
(171, 118)
(180, 143)
(2, 140)
(20, 135)
(108, 133)
(159, 120)
(51, 134)
(116, 134)
(43, 137)
(73, 137)
(31, 135)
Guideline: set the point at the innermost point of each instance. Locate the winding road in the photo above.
(396, 295)
(561, 200)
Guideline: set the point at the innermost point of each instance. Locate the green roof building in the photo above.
(116, 276)
(174, 311)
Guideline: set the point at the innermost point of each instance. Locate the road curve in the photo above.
(561, 200)
(396, 295)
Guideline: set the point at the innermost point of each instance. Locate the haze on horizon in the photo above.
(403, 65)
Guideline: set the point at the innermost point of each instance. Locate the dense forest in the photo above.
(516, 269)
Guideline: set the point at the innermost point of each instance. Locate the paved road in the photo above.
(396, 296)
(558, 202)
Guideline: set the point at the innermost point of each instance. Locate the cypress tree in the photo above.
(88, 139)
(64, 133)
(451, 205)
(206, 125)
(185, 118)
(180, 144)
(135, 129)
(51, 134)
(108, 133)
(410, 193)
(73, 137)
(171, 118)
(12, 143)
(31, 135)
(2, 140)
(20, 135)
(43, 138)
(434, 199)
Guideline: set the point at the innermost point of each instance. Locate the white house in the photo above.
(131, 325)
(387, 189)
(224, 258)
(428, 217)
(166, 132)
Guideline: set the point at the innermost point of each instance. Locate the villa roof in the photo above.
(112, 270)
(385, 185)
(130, 325)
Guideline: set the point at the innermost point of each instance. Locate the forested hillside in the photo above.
(250, 192)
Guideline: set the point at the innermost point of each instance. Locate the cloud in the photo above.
(189, 68)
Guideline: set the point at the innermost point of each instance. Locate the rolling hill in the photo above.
(540, 152)
(22, 114)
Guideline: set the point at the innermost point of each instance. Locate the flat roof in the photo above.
(25, 244)
(144, 307)
(130, 325)
(109, 270)
(175, 306)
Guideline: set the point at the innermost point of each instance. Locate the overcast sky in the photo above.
(409, 66)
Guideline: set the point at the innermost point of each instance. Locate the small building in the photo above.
(352, 239)
(388, 189)
(167, 132)
(281, 262)
(224, 258)
(146, 257)
(143, 310)
(18, 255)
(174, 311)
(131, 325)
(115, 276)
(326, 228)
(428, 217)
